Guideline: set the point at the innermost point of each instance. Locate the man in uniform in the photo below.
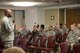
(7, 29)
(73, 36)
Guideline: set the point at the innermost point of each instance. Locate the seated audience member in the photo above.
(16, 32)
(58, 30)
(42, 31)
(34, 33)
(61, 25)
(64, 28)
(18, 27)
(73, 36)
(74, 23)
(24, 31)
(14, 50)
(50, 31)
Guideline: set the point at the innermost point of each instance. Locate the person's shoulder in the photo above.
(5, 19)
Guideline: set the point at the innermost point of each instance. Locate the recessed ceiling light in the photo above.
(23, 3)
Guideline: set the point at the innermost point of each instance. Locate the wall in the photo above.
(18, 16)
(40, 14)
(1, 15)
(72, 15)
(61, 16)
(33, 15)
(48, 14)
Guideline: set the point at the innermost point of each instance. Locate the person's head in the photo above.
(64, 26)
(61, 25)
(56, 26)
(8, 12)
(74, 23)
(34, 27)
(72, 27)
(14, 50)
(37, 25)
(42, 27)
(50, 28)
(24, 26)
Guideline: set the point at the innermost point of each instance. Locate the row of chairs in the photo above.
(40, 43)
(44, 43)
(65, 47)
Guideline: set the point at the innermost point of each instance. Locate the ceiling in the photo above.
(44, 2)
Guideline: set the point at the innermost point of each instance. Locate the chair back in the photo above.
(64, 37)
(76, 48)
(43, 41)
(35, 40)
(65, 47)
(58, 37)
(51, 42)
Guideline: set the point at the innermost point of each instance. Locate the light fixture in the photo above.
(23, 3)
(52, 17)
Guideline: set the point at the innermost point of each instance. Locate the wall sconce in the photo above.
(52, 17)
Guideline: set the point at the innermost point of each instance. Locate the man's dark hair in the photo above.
(61, 25)
(37, 25)
(42, 26)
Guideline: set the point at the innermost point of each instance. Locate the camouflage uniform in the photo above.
(24, 32)
(41, 33)
(65, 30)
(7, 32)
(58, 31)
(73, 37)
(51, 32)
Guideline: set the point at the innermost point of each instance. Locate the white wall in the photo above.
(33, 15)
(40, 14)
(18, 16)
(1, 15)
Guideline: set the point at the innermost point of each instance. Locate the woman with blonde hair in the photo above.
(14, 50)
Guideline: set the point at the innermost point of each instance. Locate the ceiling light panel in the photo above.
(21, 3)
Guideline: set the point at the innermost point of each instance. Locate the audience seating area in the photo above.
(43, 43)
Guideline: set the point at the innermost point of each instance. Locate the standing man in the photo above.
(7, 29)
